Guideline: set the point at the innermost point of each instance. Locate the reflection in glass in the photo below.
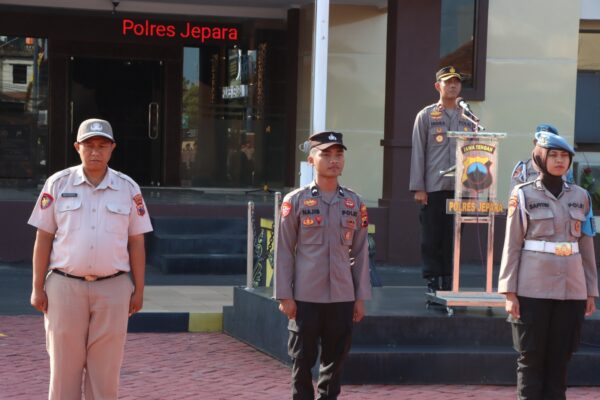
(457, 37)
(227, 126)
(23, 110)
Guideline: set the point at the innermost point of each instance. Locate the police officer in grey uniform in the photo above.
(433, 151)
(322, 270)
(548, 270)
(524, 171)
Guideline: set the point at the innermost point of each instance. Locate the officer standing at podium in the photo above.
(322, 271)
(433, 151)
(548, 270)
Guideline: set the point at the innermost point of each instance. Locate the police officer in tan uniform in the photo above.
(524, 171)
(433, 151)
(548, 270)
(90, 224)
(322, 274)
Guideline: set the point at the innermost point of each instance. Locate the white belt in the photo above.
(557, 248)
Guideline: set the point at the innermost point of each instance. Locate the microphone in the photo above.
(460, 102)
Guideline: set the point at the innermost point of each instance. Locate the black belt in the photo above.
(87, 278)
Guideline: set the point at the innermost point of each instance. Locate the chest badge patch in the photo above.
(349, 203)
(311, 202)
(139, 205)
(308, 221)
(577, 227)
(439, 138)
(435, 115)
(46, 200)
(318, 219)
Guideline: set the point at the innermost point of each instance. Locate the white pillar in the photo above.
(319, 76)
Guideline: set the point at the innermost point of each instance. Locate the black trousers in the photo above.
(331, 323)
(545, 336)
(437, 233)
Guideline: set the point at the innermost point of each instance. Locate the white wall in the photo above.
(531, 74)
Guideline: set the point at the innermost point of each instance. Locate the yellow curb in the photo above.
(205, 322)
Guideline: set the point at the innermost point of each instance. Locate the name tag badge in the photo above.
(69, 195)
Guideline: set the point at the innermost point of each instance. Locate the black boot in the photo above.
(432, 284)
(446, 282)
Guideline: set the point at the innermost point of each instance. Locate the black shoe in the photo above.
(432, 284)
(446, 282)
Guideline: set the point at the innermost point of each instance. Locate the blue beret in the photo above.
(546, 128)
(551, 141)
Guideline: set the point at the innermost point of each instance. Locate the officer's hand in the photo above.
(359, 311)
(512, 305)
(136, 302)
(39, 300)
(590, 306)
(288, 307)
(421, 197)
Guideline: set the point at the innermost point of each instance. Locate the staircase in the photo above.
(198, 245)
(396, 345)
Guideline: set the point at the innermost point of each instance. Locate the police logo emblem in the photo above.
(286, 208)
(139, 205)
(332, 137)
(476, 175)
(46, 201)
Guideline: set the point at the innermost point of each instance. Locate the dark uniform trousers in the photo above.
(545, 336)
(437, 231)
(332, 324)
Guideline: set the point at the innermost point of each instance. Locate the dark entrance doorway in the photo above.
(128, 94)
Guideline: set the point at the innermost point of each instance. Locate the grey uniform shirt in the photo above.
(535, 214)
(322, 254)
(432, 150)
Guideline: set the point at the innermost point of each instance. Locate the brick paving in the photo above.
(200, 366)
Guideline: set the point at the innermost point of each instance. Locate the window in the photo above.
(587, 104)
(23, 111)
(463, 37)
(19, 74)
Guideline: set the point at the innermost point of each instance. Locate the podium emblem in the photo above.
(476, 173)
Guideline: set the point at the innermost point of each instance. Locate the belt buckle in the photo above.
(563, 249)
(90, 278)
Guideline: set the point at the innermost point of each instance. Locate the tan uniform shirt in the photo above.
(91, 224)
(432, 150)
(323, 253)
(535, 214)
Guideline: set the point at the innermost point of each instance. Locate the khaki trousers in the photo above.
(86, 326)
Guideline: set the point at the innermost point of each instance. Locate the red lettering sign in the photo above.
(130, 27)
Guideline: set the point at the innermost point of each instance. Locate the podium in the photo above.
(474, 202)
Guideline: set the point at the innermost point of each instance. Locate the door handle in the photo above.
(153, 111)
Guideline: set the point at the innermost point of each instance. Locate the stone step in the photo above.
(218, 263)
(452, 365)
(185, 225)
(200, 243)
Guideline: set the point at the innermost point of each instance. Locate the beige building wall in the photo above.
(355, 90)
(531, 75)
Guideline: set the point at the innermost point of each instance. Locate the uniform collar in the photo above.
(316, 192)
(110, 179)
(539, 186)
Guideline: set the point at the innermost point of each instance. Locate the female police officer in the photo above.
(548, 270)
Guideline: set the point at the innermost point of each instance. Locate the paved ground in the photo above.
(199, 366)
